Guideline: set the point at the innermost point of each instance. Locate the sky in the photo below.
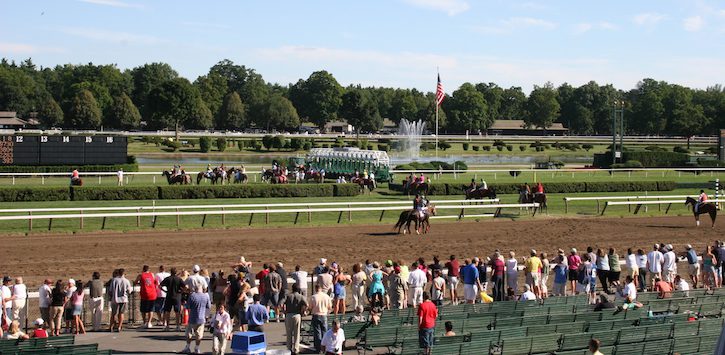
(392, 43)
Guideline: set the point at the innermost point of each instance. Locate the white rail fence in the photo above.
(255, 176)
(639, 204)
(154, 212)
(598, 199)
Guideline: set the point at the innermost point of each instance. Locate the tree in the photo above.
(84, 112)
(123, 113)
(648, 110)
(493, 95)
(684, 117)
(146, 78)
(428, 114)
(318, 98)
(205, 144)
(232, 114)
(403, 106)
(281, 114)
(250, 85)
(221, 144)
(467, 110)
(542, 107)
(49, 112)
(213, 88)
(359, 110)
(200, 117)
(171, 104)
(513, 101)
(267, 141)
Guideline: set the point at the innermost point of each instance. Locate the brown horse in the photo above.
(479, 194)
(708, 208)
(181, 179)
(364, 184)
(215, 176)
(409, 216)
(531, 198)
(76, 182)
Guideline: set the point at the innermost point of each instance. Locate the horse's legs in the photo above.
(697, 220)
(713, 215)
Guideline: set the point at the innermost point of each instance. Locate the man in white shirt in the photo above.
(669, 266)
(655, 259)
(334, 339)
(300, 277)
(160, 295)
(222, 325)
(527, 295)
(630, 290)
(416, 280)
(44, 300)
(196, 280)
(682, 285)
(7, 295)
(20, 296)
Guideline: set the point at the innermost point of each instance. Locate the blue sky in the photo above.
(397, 43)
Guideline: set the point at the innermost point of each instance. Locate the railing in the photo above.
(598, 199)
(202, 210)
(639, 204)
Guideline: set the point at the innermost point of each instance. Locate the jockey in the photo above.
(243, 169)
(701, 200)
(365, 174)
(422, 178)
(372, 178)
(539, 189)
(75, 175)
(472, 186)
(419, 205)
(208, 170)
(483, 186)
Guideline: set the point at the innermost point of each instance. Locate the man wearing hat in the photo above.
(693, 265)
(196, 280)
(669, 265)
(44, 300)
(7, 295)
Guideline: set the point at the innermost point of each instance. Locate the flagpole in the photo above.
(435, 101)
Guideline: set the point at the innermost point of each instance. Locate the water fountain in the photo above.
(410, 133)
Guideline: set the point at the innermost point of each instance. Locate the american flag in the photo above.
(440, 95)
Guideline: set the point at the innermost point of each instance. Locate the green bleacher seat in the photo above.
(657, 347)
(576, 341)
(630, 349)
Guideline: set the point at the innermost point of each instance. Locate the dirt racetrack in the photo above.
(39, 256)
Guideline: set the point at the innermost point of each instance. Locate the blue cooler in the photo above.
(249, 343)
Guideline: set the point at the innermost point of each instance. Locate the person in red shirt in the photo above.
(454, 269)
(260, 277)
(148, 284)
(427, 314)
(664, 288)
(498, 269)
(39, 332)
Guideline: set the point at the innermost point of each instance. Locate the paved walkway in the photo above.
(157, 341)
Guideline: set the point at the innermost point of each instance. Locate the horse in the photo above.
(235, 175)
(181, 179)
(531, 198)
(418, 188)
(480, 194)
(409, 216)
(271, 177)
(76, 182)
(214, 176)
(708, 208)
(314, 176)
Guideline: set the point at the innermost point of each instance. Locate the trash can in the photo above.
(249, 343)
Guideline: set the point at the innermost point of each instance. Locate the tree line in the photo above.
(234, 97)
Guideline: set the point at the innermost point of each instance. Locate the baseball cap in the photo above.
(573, 250)
(196, 268)
(688, 246)
(323, 261)
(6, 279)
(38, 321)
(669, 246)
(72, 281)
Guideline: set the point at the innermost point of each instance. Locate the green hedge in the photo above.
(66, 168)
(649, 159)
(555, 187)
(166, 192)
(26, 194)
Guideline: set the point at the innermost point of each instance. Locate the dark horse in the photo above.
(409, 216)
(704, 208)
(479, 194)
(215, 176)
(269, 175)
(531, 198)
(181, 179)
(235, 175)
(368, 184)
(76, 182)
(418, 189)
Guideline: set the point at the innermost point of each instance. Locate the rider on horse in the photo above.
(701, 200)
(74, 176)
(539, 189)
(419, 205)
(483, 186)
(472, 186)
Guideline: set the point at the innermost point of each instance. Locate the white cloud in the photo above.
(23, 48)
(112, 36)
(451, 7)
(514, 24)
(113, 3)
(586, 27)
(648, 19)
(693, 23)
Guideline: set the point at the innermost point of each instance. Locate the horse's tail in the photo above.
(199, 177)
(401, 221)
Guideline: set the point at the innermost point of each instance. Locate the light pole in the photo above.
(617, 129)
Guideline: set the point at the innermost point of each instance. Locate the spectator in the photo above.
(437, 288)
(663, 288)
(173, 286)
(603, 303)
(453, 268)
(68, 311)
(321, 304)
(594, 345)
(584, 273)
(20, 297)
(642, 274)
(39, 332)
(358, 285)
(417, 279)
(560, 276)
(545, 270)
(631, 263)
(669, 265)
(512, 272)
(325, 281)
(272, 289)
(44, 300)
(195, 279)
(449, 329)
(693, 265)
(720, 254)
(427, 315)
(222, 325)
(615, 270)
(341, 282)
(198, 304)
(482, 274)
(76, 301)
(527, 295)
(7, 296)
(118, 292)
(602, 265)
(147, 281)
(95, 288)
(376, 291)
(257, 315)
(300, 277)
(398, 288)
(14, 331)
(709, 273)
(630, 290)
(574, 261)
(358, 317)
(160, 296)
(681, 285)
(498, 269)
(280, 270)
(57, 301)
(334, 339)
(533, 268)
(295, 307)
(654, 263)
(471, 283)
